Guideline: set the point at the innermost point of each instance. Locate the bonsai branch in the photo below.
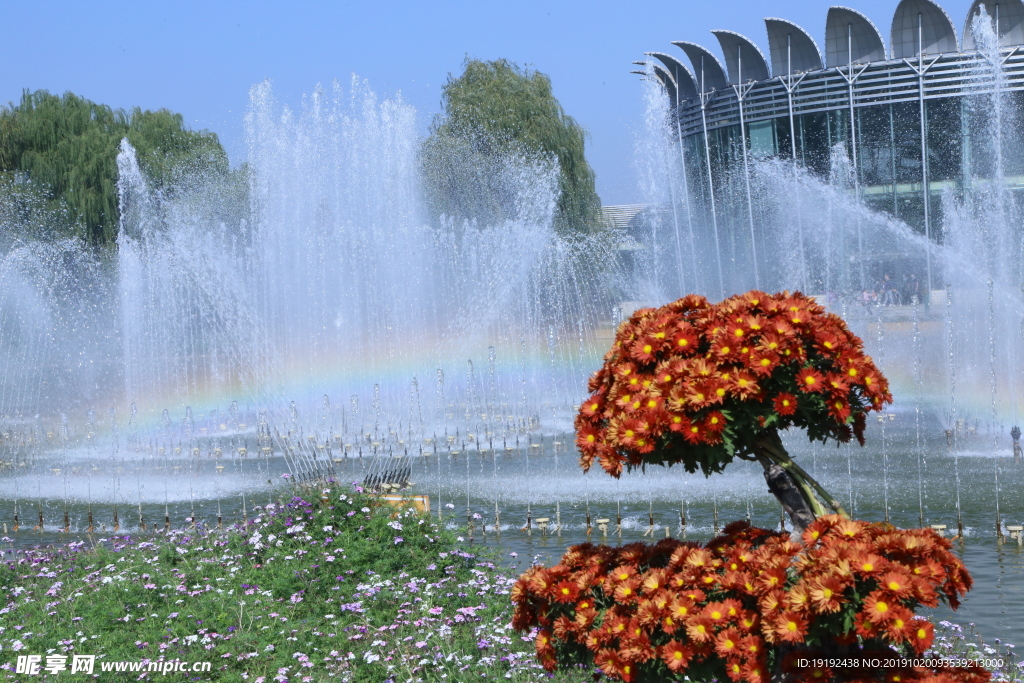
(791, 484)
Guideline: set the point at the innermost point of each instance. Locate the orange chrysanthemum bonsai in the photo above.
(701, 384)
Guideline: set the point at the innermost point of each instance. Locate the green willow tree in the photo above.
(492, 110)
(68, 145)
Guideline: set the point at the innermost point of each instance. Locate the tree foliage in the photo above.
(492, 110)
(69, 145)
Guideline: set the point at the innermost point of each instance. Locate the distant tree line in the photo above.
(66, 148)
(58, 155)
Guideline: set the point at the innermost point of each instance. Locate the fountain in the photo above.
(234, 347)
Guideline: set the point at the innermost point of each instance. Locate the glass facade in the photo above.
(912, 133)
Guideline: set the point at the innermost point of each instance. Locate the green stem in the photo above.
(804, 479)
(773, 449)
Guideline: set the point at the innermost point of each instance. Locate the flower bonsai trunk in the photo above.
(790, 484)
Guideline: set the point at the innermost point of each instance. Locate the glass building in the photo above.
(898, 122)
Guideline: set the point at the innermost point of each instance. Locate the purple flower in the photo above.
(286, 476)
(398, 539)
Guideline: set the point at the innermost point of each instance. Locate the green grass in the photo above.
(326, 587)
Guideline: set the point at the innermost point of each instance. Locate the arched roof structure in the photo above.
(921, 26)
(666, 80)
(660, 74)
(707, 69)
(791, 48)
(680, 74)
(744, 60)
(1009, 16)
(850, 37)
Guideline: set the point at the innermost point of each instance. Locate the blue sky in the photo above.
(200, 58)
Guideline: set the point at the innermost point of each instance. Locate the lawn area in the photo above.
(331, 585)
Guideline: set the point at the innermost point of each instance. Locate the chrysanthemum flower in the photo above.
(644, 445)
(727, 643)
(754, 671)
(763, 363)
(609, 661)
(717, 612)
(772, 578)
(898, 628)
(839, 409)
(785, 404)
(700, 394)
(714, 422)
(771, 602)
(638, 650)
(810, 380)
(790, 627)
(744, 385)
(678, 423)
(543, 642)
(748, 620)
(782, 329)
(645, 350)
(676, 655)
(695, 434)
(684, 342)
(626, 591)
(681, 608)
(897, 583)
(828, 343)
(724, 350)
(624, 400)
(922, 633)
(865, 627)
(798, 598)
(700, 629)
(701, 367)
(751, 646)
(868, 564)
(879, 606)
(624, 572)
(610, 463)
(588, 439)
(585, 618)
(626, 431)
(850, 528)
(827, 595)
(566, 591)
(538, 581)
(654, 580)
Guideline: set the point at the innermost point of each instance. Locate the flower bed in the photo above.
(748, 606)
(340, 588)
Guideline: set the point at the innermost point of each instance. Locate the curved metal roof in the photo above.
(791, 48)
(1010, 17)
(681, 74)
(850, 37)
(707, 69)
(652, 70)
(914, 18)
(666, 80)
(745, 60)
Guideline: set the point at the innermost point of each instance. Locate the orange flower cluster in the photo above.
(695, 383)
(749, 603)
